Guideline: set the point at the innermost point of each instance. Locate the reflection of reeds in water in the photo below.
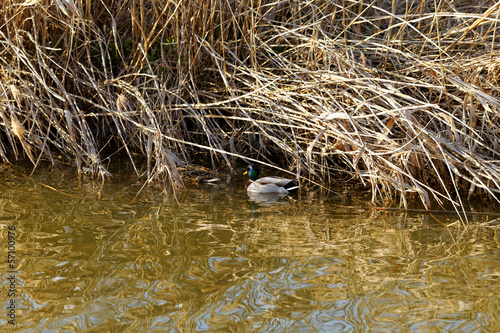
(400, 95)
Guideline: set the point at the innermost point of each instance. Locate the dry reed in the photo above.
(400, 95)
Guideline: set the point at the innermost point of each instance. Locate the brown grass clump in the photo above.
(401, 95)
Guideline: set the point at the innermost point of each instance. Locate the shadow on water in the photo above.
(217, 260)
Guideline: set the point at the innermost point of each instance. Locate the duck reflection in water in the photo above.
(266, 198)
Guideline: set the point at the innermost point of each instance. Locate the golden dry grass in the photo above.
(401, 95)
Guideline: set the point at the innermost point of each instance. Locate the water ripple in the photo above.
(216, 261)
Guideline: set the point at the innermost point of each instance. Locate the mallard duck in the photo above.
(271, 184)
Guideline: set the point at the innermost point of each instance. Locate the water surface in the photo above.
(215, 261)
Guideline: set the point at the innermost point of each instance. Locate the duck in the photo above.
(270, 184)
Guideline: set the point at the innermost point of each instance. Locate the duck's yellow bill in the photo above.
(245, 172)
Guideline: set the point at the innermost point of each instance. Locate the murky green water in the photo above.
(216, 262)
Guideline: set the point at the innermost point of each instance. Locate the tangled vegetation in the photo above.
(399, 95)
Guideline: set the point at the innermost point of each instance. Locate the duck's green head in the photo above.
(253, 172)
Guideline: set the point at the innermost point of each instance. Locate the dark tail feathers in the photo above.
(292, 186)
